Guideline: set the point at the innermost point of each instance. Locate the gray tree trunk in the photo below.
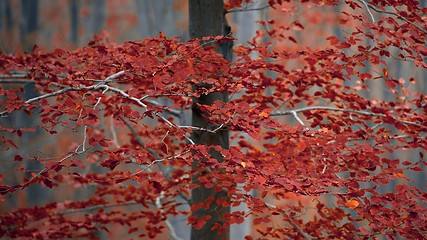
(74, 21)
(96, 20)
(207, 19)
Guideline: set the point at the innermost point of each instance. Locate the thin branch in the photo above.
(168, 223)
(396, 15)
(14, 76)
(47, 95)
(114, 133)
(174, 126)
(100, 85)
(369, 11)
(174, 112)
(69, 89)
(26, 183)
(203, 129)
(139, 102)
(164, 95)
(161, 160)
(119, 91)
(130, 203)
(86, 126)
(10, 80)
(287, 112)
(247, 9)
(366, 113)
(297, 118)
(138, 138)
(92, 208)
(114, 76)
(152, 152)
(294, 225)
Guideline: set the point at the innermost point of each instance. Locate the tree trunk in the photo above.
(207, 19)
(74, 21)
(96, 20)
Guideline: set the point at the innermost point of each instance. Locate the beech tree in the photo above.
(207, 18)
(306, 136)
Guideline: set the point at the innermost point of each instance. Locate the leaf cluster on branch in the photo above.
(125, 105)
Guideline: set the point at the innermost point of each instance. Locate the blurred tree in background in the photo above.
(346, 81)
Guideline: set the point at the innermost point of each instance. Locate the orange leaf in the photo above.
(352, 204)
(385, 73)
(263, 114)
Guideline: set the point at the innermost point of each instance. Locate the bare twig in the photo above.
(167, 222)
(133, 131)
(139, 102)
(69, 89)
(203, 129)
(246, 9)
(119, 91)
(161, 160)
(369, 11)
(114, 133)
(14, 76)
(86, 126)
(294, 225)
(174, 112)
(47, 169)
(394, 14)
(47, 95)
(359, 112)
(138, 138)
(152, 152)
(15, 80)
(297, 118)
(114, 76)
(92, 208)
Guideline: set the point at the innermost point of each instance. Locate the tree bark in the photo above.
(207, 19)
(74, 21)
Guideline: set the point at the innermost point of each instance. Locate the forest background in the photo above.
(70, 24)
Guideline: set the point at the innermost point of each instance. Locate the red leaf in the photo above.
(157, 186)
(385, 73)
(364, 231)
(12, 143)
(292, 39)
(333, 40)
(35, 48)
(298, 26)
(4, 189)
(48, 183)
(18, 158)
(391, 84)
(198, 223)
(257, 221)
(417, 169)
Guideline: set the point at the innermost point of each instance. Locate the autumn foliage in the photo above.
(308, 138)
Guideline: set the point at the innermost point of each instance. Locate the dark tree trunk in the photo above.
(29, 23)
(207, 19)
(96, 21)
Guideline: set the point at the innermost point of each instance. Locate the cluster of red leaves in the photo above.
(337, 142)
